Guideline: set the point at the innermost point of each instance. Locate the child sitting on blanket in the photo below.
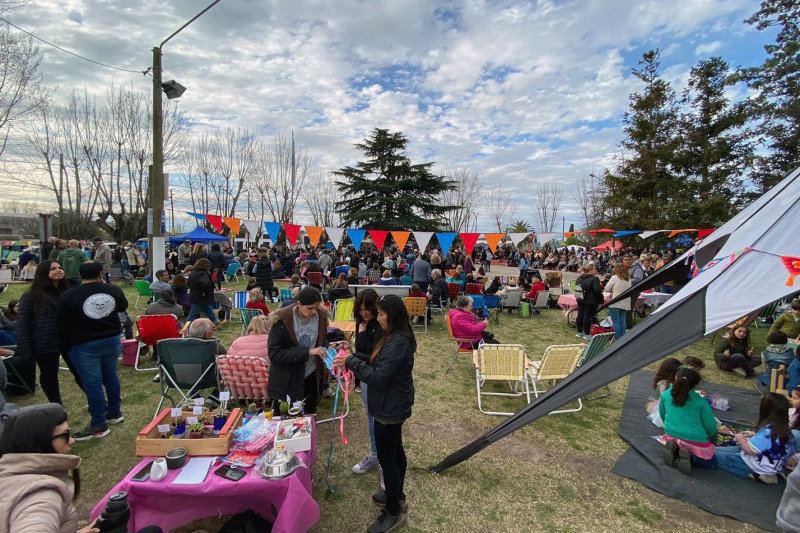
(761, 455)
(689, 425)
(665, 376)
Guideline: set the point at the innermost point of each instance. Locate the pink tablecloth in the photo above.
(286, 502)
(568, 301)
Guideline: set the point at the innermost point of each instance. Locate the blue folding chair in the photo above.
(491, 303)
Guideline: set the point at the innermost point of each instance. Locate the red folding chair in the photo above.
(315, 278)
(453, 289)
(153, 328)
(474, 288)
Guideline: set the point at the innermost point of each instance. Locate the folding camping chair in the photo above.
(542, 302)
(598, 343)
(767, 315)
(492, 304)
(343, 309)
(474, 288)
(501, 362)
(245, 377)
(286, 295)
(18, 382)
(557, 363)
(239, 301)
(142, 289)
(417, 307)
(187, 366)
(316, 279)
(247, 316)
(154, 328)
(453, 290)
(512, 299)
(230, 273)
(437, 307)
(457, 342)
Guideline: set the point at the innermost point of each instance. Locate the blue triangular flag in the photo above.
(273, 228)
(196, 215)
(446, 241)
(356, 235)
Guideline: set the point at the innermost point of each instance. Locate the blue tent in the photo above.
(197, 235)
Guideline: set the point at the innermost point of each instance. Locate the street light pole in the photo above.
(156, 211)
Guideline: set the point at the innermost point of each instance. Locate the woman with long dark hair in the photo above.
(37, 330)
(388, 372)
(369, 333)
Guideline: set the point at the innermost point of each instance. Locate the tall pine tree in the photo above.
(386, 191)
(643, 191)
(715, 149)
(777, 82)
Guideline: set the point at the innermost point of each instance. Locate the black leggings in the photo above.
(48, 375)
(392, 457)
(585, 314)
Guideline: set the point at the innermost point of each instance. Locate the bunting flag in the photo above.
(792, 264)
(728, 260)
(604, 230)
(292, 233)
(704, 233)
(648, 234)
(627, 232)
(493, 240)
(215, 221)
(517, 238)
(198, 216)
(335, 235)
(252, 227)
(569, 234)
(423, 238)
(378, 237)
(676, 231)
(273, 228)
(401, 238)
(234, 223)
(469, 240)
(544, 238)
(314, 233)
(357, 236)
(445, 241)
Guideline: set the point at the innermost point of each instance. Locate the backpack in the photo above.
(579, 294)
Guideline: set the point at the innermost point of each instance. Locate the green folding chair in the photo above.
(142, 289)
(247, 316)
(598, 343)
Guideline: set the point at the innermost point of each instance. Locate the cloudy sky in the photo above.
(519, 92)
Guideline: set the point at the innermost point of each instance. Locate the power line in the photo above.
(68, 52)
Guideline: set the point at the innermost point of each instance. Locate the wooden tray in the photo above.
(150, 444)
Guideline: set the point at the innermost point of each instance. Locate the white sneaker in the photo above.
(327, 393)
(366, 464)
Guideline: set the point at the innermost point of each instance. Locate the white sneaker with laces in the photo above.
(366, 464)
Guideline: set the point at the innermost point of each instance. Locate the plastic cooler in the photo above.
(129, 349)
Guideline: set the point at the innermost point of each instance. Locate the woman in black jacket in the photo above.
(218, 260)
(262, 270)
(201, 292)
(369, 333)
(37, 330)
(592, 298)
(388, 372)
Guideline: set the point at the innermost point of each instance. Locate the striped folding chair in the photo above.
(247, 316)
(501, 362)
(598, 343)
(558, 362)
(245, 377)
(286, 295)
(343, 309)
(239, 300)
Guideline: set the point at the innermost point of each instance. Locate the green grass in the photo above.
(552, 475)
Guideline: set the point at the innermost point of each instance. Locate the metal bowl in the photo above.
(176, 458)
(279, 463)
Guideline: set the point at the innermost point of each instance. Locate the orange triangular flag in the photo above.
(314, 233)
(401, 238)
(493, 239)
(233, 223)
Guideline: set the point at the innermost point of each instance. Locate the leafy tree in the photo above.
(777, 83)
(388, 192)
(715, 148)
(644, 191)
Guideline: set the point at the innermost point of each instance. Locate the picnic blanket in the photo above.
(715, 491)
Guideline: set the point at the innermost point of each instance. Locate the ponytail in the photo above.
(685, 380)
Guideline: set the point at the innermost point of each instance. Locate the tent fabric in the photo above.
(423, 238)
(715, 491)
(606, 245)
(712, 299)
(196, 235)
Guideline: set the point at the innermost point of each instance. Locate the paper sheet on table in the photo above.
(195, 471)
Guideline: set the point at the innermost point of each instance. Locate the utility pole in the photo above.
(172, 212)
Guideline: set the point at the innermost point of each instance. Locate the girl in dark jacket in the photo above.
(262, 270)
(218, 263)
(735, 354)
(37, 330)
(201, 292)
(592, 298)
(369, 333)
(388, 372)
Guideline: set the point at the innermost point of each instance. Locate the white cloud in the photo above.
(706, 49)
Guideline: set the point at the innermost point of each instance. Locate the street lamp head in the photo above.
(173, 89)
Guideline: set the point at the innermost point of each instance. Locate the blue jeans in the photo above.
(96, 363)
(729, 459)
(370, 419)
(618, 318)
(206, 309)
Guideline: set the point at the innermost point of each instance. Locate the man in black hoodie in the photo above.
(89, 330)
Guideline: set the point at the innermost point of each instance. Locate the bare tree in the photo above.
(276, 194)
(20, 90)
(500, 207)
(588, 195)
(547, 198)
(321, 200)
(464, 196)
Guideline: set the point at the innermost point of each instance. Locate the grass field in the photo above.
(553, 475)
